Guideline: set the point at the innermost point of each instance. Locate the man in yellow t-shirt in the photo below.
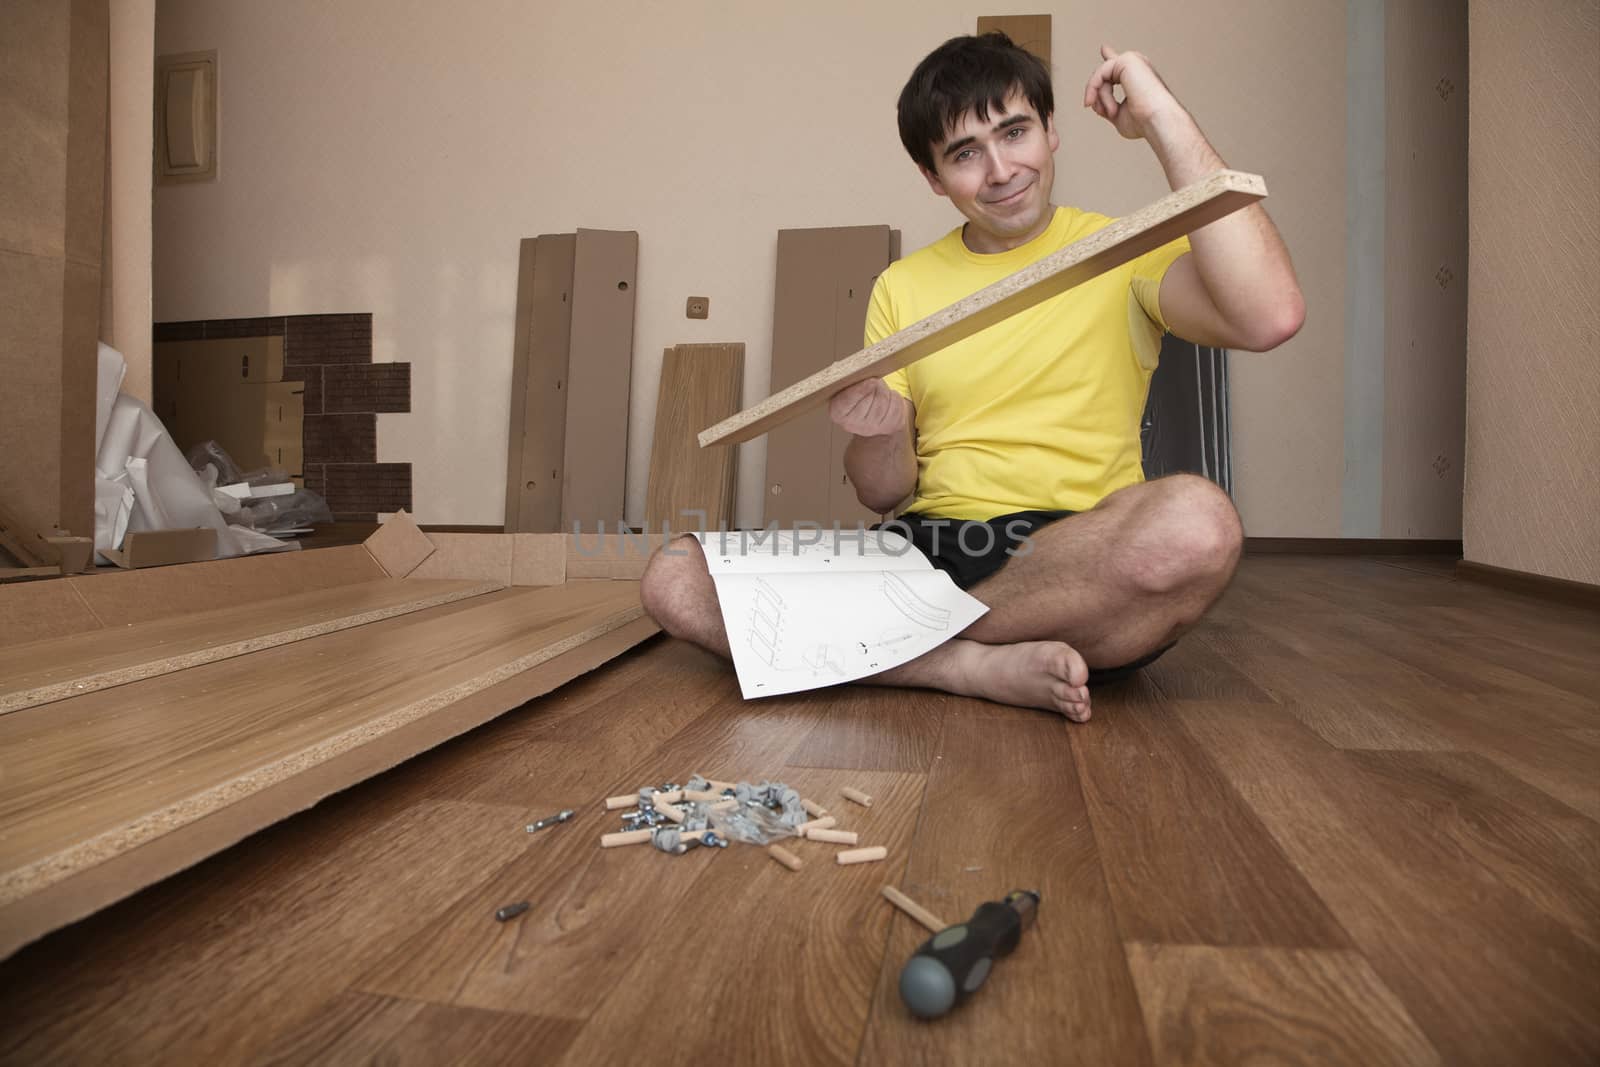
(1019, 447)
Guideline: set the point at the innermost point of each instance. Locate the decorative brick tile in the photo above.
(328, 339)
(315, 478)
(341, 438)
(178, 331)
(373, 387)
(312, 376)
(262, 327)
(357, 489)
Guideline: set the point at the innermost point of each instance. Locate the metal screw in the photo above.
(562, 816)
(511, 911)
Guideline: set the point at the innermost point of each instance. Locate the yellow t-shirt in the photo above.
(1040, 410)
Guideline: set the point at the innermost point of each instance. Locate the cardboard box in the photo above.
(231, 391)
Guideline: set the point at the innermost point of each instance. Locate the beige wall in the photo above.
(1533, 370)
(386, 157)
(133, 28)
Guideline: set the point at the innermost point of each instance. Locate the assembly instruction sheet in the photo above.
(805, 610)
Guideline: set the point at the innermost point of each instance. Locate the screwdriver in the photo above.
(952, 964)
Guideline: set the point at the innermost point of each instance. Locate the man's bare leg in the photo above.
(1119, 581)
(679, 593)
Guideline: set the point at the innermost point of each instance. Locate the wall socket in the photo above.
(698, 307)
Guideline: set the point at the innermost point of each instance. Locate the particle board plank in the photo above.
(600, 366)
(1236, 890)
(538, 559)
(59, 668)
(1174, 215)
(602, 554)
(1488, 976)
(826, 923)
(700, 383)
(1004, 811)
(205, 741)
(543, 339)
(125, 597)
(348, 886)
(40, 611)
(1287, 1006)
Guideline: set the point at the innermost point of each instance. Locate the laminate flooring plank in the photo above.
(449, 1034)
(256, 942)
(1186, 860)
(1573, 668)
(1489, 977)
(1224, 1006)
(42, 671)
(1343, 715)
(807, 943)
(350, 1028)
(874, 728)
(1190, 671)
(1004, 811)
(1538, 846)
(595, 909)
(92, 776)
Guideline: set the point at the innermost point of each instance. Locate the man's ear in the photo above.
(1051, 136)
(933, 181)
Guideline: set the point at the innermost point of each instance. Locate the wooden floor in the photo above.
(1351, 819)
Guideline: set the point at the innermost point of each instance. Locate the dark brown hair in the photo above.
(967, 74)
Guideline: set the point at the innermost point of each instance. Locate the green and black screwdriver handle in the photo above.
(952, 964)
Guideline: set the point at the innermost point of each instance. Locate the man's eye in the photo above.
(1015, 132)
(964, 155)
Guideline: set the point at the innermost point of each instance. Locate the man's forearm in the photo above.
(1241, 259)
(883, 469)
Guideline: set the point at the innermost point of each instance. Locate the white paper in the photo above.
(803, 611)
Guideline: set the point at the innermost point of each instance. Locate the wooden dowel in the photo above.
(833, 837)
(702, 795)
(625, 837)
(673, 797)
(725, 804)
(825, 823)
(672, 811)
(785, 857)
(629, 801)
(813, 809)
(856, 795)
(861, 855)
(913, 909)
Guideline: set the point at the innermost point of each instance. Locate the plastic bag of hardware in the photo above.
(753, 823)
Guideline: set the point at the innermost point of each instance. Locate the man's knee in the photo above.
(670, 581)
(1194, 537)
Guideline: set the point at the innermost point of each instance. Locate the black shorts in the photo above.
(970, 550)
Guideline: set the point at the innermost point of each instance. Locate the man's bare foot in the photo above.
(1030, 674)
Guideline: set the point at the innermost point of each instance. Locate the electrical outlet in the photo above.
(698, 307)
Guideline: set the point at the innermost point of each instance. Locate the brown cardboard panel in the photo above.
(697, 382)
(31, 292)
(1178, 213)
(1027, 31)
(33, 125)
(80, 341)
(399, 546)
(600, 367)
(538, 559)
(39, 611)
(476, 556)
(119, 598)
(612, 555)
(231, 391)
(27, 546)
(77, 553)
(803, 460)
(519, 380)
(164, 548)
(88, 72)
(544, 337)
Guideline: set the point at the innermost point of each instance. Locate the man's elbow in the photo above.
(1275, 327)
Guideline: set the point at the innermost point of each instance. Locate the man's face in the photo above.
(998, 172)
